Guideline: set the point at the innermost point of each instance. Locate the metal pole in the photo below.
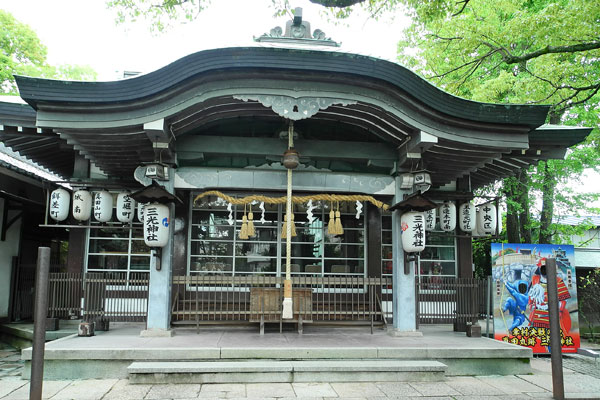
(39, 325)
(558, 387)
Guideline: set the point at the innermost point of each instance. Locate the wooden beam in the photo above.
(421, 142)
(158, 133)
(194, 147)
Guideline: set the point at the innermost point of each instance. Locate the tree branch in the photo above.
(477, 61)
(464, 5)
(567, 104)
(436, 36)
(574, 48)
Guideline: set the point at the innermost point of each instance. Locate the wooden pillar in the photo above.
(464, 249)
(180, 237)
(464, 261)
(76, 253)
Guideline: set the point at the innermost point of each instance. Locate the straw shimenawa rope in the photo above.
(295, 199)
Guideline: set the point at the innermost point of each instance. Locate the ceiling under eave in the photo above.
(44, 147)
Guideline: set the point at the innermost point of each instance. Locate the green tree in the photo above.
(519, 51)
(588, 295)
(22, 53)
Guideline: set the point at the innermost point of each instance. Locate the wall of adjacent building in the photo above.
(590, 239)
(9, 248)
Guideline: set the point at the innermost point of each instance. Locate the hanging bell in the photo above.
(291, 159)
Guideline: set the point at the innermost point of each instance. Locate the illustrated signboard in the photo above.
(520, 295)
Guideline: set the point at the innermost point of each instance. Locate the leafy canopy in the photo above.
(510, 51)
(22, 53)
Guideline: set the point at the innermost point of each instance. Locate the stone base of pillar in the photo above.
(155, 332)
(399, 333)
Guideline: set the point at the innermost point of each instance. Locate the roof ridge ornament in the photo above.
(297, 31)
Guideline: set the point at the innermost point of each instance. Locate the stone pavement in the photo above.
(536, 385)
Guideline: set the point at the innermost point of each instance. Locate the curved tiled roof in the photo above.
(39, 91)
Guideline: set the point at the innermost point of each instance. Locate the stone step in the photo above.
(286, 371)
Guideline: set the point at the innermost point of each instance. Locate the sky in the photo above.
(84, 32)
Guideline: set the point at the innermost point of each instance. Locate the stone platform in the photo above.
(109, 354)
(20, 335)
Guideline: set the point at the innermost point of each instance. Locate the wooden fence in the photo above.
(199, 299)
(115, 296)
(218, 299)
(23, 289)
(450, 300)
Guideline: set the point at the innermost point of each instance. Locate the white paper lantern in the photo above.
(156, 225)
(430, 219)
(467, 217)
(82, 205)
(125, 207)
(59, 204)
(475, 232)
(487, 219)
(103, 206)
(413, 231)
(447, 216)
(140, 211)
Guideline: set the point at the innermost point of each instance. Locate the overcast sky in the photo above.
(84, 32)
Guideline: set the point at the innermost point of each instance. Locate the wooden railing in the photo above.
(23, 288)
(450, 300)
(111, 295)
(218, 299)
(199, 299)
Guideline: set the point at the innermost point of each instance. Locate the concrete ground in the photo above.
(536, 385)
(582, 380)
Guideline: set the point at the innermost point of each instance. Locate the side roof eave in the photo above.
(16, 114)
(558, 135)
(65, 94)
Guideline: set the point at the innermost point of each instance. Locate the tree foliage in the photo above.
(520, 51)
(23, 53)
(20, 49)
(588, 289)
(161, 13)
(510, 51)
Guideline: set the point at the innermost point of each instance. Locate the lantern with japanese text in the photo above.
(413, 231)
(82, 205)
(430, 219)
(156, 225)
(467, 217)
(125, 207)
(59, 204)
(487, 219)
(140, 211)
(476, 232)
(103, 206)
(447, 216)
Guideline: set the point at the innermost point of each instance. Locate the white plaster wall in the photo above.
(8, 249)
(590, 239)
